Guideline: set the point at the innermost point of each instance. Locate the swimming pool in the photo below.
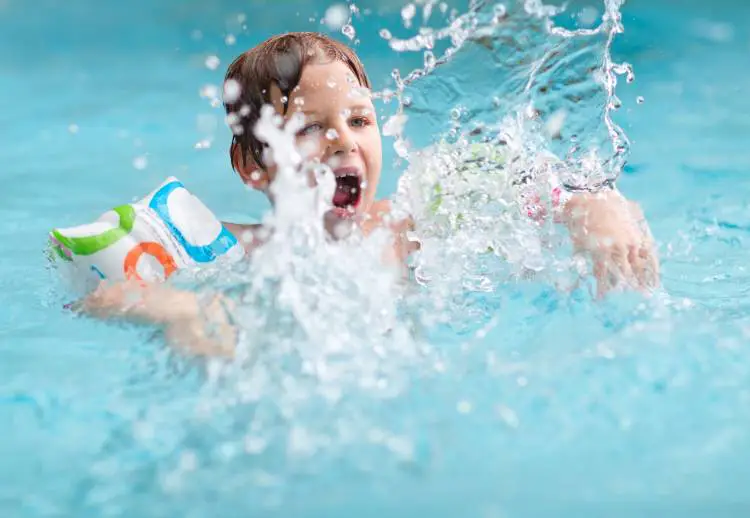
(562, 408)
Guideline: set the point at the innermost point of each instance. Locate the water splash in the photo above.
(533, 66)
(471, 195)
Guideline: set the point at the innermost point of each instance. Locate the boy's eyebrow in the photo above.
(353, 108)
(361, 107)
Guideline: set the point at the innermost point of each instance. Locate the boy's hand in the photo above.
(614, 232)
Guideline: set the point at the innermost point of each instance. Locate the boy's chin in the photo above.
(339, 222)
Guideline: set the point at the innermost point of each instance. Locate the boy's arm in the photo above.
(190, 325)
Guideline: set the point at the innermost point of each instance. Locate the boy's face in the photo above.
(340, 129)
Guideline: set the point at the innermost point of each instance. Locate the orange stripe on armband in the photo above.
(156, 251)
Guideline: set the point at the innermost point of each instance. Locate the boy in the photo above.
(322, 80)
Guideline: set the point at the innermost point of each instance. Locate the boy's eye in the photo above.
(359, 122)
(309, 129)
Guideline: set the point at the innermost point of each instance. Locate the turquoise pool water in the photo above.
(563, 408)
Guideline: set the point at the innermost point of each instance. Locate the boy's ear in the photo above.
(249, 171)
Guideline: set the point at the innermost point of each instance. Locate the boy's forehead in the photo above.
(326, 76)
(323, 85)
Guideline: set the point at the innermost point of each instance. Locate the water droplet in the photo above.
(244, 110)
(299, 101)
(332, 134)
(348, 31)
(232, 91)
(284, 99)
(241, 17)
(463, 407)
(385, 34)
(640, 99)
(230, 39)
(555, 123)
(508, 416)
(456, 114)
(429, 59)
(209, 92)
(203, 144)
(212, 62)
(73, 128)
(395, 125)
(331, 83)
(401, 148)
(588, 16)
(407, 13)
(140, 162)
(336, 16)
(443, 7)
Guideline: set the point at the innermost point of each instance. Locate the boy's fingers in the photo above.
(640, 265)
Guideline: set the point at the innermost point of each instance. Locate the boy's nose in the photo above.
(341, 140)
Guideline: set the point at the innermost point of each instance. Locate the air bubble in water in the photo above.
(212, 62)
(332, 134)
(407, 13)
(244, 110)
(73, 128)
(336, 16)
(232, 90)
(230, 39)
(140, 162)
(196, 35)
(348, 31)
(640, 99)
(203, 144)
(385, 34)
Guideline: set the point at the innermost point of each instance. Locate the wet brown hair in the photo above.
(279, 60)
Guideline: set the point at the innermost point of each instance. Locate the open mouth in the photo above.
(348, 191)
